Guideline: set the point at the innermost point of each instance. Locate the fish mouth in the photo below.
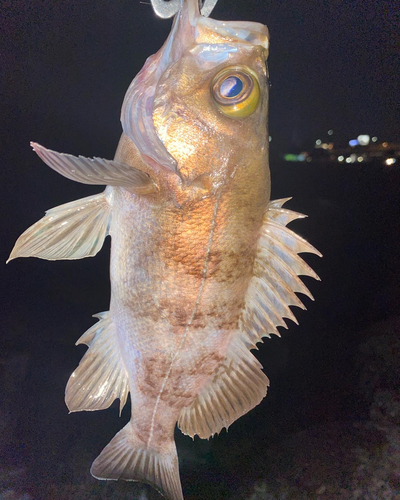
(188, 31)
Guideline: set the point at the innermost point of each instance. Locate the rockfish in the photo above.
(202, 264)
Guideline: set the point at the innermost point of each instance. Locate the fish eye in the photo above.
(236, 91)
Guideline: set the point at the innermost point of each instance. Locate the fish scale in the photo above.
(202, 266)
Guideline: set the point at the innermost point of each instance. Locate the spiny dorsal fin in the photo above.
(71, 231)
(126, 457)
(275, 282)
(96, 171)
(101, 376)
(237, 386)
(239, 383)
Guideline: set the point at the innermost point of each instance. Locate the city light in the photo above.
(323, 145)
(290, 157)
(363, 140)
(365, 149)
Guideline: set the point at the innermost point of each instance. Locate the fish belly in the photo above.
(178, 284)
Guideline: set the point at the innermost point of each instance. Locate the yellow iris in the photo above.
(236, 91)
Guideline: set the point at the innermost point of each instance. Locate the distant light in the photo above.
(290, 157)
(270, 138)
(301, 157)
(351, 159)
(360, 159)
(318, 142)
(340, 158)
(309, 159)
(385, 144)
(353, 143)
(390, 161)
(363, 140)
(330, 132)
(324, 145)
(330, 145)
(374, 139)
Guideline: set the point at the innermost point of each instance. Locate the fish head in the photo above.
(206, 100)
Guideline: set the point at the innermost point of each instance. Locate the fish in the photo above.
(202, 265)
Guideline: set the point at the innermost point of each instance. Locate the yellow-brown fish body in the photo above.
(202, 265)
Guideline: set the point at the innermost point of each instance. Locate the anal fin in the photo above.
(126, 457)
(237, 386)
(101, 376)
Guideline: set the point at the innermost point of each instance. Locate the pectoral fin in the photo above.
(71, 231)
(96, 170)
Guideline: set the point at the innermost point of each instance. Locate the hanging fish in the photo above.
(202, 264)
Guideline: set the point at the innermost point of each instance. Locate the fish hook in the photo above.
(168, 8)
(207, 7)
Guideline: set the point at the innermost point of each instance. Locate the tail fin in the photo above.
(126, 457)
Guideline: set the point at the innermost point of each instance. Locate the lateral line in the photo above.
(196, 305)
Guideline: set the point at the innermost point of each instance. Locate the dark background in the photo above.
(65, 67)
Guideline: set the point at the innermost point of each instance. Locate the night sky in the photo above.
(65, 67)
